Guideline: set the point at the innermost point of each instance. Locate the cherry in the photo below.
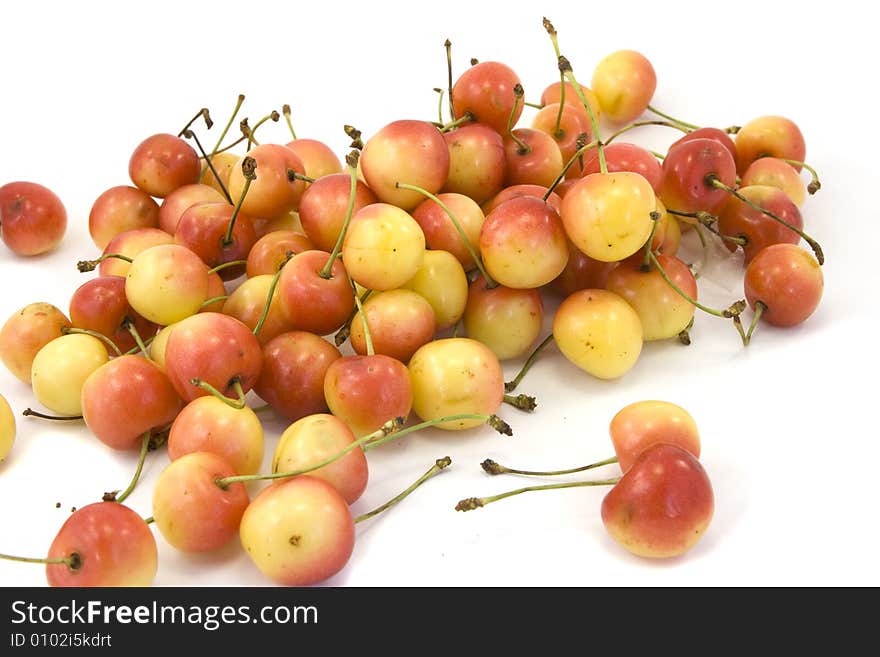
(776, 136)
(163, 162)
(486, 91)
(128, 244)
(276, 188)
(400, 322)
(441, 233)
(442, 281)
(33, 220)
(270, 252)
(783, 284)
(624, 83)
(744, 220)
(553, 93)
(775, 172)
(247, 303)
(223, 163)
(7, 429)
(60, 370)
(623, 156)
(566, 124)
(531, 157)
(317, 157)
(581, 272)
(476, 161)
(100, 305)
(120, 209)
(26, 332)
(182, 198)
(642, 424)
(716, 134)
(311, 301)
(218, 234)
(323, 207)
(688, 170)
(514, 191)
(505, 319)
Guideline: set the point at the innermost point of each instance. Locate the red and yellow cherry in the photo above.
(105, 544)
(26, 332)
(324, 205)
(119, 209)
(7, 428)
(383, 247)
(215, 349)
(523, 243)
(440, 231)
(166, 283)
(663, 504)
(639, 425)
(739, 219)
(405, 151)
(316, 438)
(367, 391)
(608, 215)
(598, 331)
(223, 164)
(688, 171)
(33, 220)
(192, 512)
(310, 301)
(531, 157)
(776, 136)
(100, 305)
(776, 173)
(553, 94)
(476, 161)
(181, 199)
(786, 281)
(208, 424)
(292, 375)
(127, 397)
(662, 311)
(400, 322)
(317, 157)
(204, 228)
(247, 303)
(276, 188)
(60, 369)
(270, 252)
(452, 376)
(441, 280)
(505, 319)
(129, 244)
(514, 191)
(486, 91)
(565, 128)
(622, 156)
(624, 83)
(581, 272)
(161, 163)
(216, 291)
(715, 134)
(299, 532)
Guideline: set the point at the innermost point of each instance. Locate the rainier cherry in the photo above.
(119, 209)
(33, 219)
(26, 332)
(776, 136)
(785, 283)
(624, 83)
(486, 91)
(7, 428)
(162, 163)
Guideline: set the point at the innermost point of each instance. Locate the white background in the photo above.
(788, 425)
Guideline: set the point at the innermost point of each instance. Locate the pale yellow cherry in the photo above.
(7, 428)
(453, 376)
(61, 368)
(598, 331)
(167, 283)
(247, 303)
(441, 280)
(157, 346)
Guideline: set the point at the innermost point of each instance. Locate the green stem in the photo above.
(518, 92)
(448, 45)
(684, 124)
(565, 67)
(345, 331)
(368, 338)
(129, 325)
(285, 110)
(208, 302)
(236, 386)
(439, 465)
(351, 160)
(734, 310)
(145, 446)
(191, 135)
(578, 156)
(73, 561)
(492, 420)
(227, 265)
(238, 105)
(65, 330)
(493, 468)
(511, 385)
(655, 218)
(534, 105)
(639, 124)
(471, 503)
(467, 117)
(814, 185)
(248, 168)
(269, 296)
(90, 265)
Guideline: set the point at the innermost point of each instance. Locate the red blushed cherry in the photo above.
(162, 163)
(486, 90)
(441, 233)
(581, 273)
(215, 349)
(106, 544)
(177, 202)
(405, 151)
(710, 133)
(514, 191)
(506, 320)
(127, 397)
(687, 172)
(776, 136)
(100, 305)
(204, 229)
(639, 425)
(623, 156)
(476, 161)
(310, 301)
(323, 207)
(276, 189)
(624, 83)
(786, 281)
(33, 219)
(119, 209)
(663, 504)
(26, 332)
(400, 322)
(739, 219)
(531, 157)
(270, 252)
(553, 94)
(292, 375)
(317, 157)
(566, 129)
(130, 243)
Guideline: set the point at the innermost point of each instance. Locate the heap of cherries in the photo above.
(431, 248)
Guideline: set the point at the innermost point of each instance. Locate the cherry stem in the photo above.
(145, 447)
(684, 124)
(814, 185)
(149, 521)
(684, 335)
(639, 124)
(273, 115)
(28, 412)
(565, 67)
(74, 561)
(578, 156)
(201, 113)
(230, 146)
(65, 330)
(518, 93)
(131, 328)
(441, 94)
(191, 135)
(368, 338)
(521, 402)
(439, 464)
(270, 295)
(208, 302)
(90, 265)
(655, 218)
(227, 265)
(467, 117)
(490, 282)
(238, 104)
(345, 331)
(448, 45)
(248, 168)
(285, 110)
(248, 133)
(471, 503)
(236, 386)
(553, 38)
(492, 420)
(534, 105)
(351, 160)
(296, 175)
(511, 385)
(493, 468)
(760, 307)
(713, 180)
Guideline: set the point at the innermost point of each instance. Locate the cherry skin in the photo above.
(100, 305)
(275, 190)
(787, 280)
(439, 230)
(26, 332)
(505, 319)
(581, 272)
(310, 301)
(624, 83)
(223, 163)
(441, 280)
(514, 191)
(161, 163)
(181, 199)
(739, 219)
(111, 546)
(203, 229)
(776, 136)
(623, 156)
(687, 171)
(709, 133)
(553, 94)
(270, 252)
(119, 209)
(33, 220)
(166, 283)
(400, 322)
(642, 424)
(247, 303)
(293, 371)
(476, 161)
(191, 511)
(663, 504)
(314, 439)
(776, 173)
(7, 429)
(533, 158)
(317, 157)
(61, 368)
(486, 90)
(125, 398)
(299, 532)
(129, 244)
(565, 131)
(323, 207)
